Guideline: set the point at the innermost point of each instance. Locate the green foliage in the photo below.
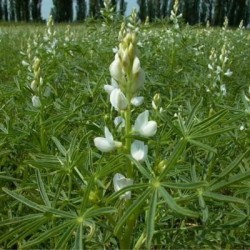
(56, 187)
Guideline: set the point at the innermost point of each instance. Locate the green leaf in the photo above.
(223, 198)
(150, 223)
(78, 238)
(18, 220)
(131, 210)
(25, 225)
(174, 206)
(55, 230)
(88, 189)
(142, 169)
(42, 189)
(212, 132)
(202, 145)
(190, 120)
(62, 243)
(92, 212)
(206, 124)
(59, 146)
(24, 200)
(179, 149)
(230, 167)
(191, 185)
(230, 181)
(38, 207)
(26, 230)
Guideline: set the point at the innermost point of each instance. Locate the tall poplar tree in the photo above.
(122, 7)
(80, 10)
(142, 10)
(1, 10)
(36, 10)
(62, 10)
(5, 11)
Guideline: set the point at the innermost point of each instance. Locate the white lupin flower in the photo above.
(118, 99)
(137, 101)
(107, 143)
(228, 73)
(143, 126)
(139, 150)
(139, 80)
(120, 181)
(109, 88)
(115, 69)
(136, 65)
(36, 101)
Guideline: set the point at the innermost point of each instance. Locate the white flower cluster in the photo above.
(127, 79)
(218, 69)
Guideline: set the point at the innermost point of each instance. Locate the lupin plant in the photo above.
(218, 68)
(127, 81)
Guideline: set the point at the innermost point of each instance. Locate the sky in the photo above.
(47, 5)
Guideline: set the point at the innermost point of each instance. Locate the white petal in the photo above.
(118, 100)
(139, 151)
(120, 182)
(115, 69)
(108, 88)
(137, 101)
(36, 101)
(108, 135)
(141, 120)
(149, 129)
(114, 83)
(136, 65)
(139, 80)
(103, 144)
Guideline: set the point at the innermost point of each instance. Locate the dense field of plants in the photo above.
(172, 171)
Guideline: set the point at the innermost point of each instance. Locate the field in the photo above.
(169, 173)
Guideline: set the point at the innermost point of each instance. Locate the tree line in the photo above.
(193, 11)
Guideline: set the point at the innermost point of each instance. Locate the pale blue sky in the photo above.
(47, 5)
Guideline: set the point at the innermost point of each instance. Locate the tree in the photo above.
(1, 10)
(36, 10)
(142, 10)
(94, 8)
(12, 10)
(5, 11)
(62, 10)
(80, 10)
(122, 7)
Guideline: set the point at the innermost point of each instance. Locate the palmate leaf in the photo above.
(17, 220)
(191, 185)
(174, 206)
(63, 240)
(26, 230)
(150, 223)
(26, 225)
(205, 125)
(38, 207)
(230, 167)
(50, 233)
(234, 179)
(179, 149)
(223, 198)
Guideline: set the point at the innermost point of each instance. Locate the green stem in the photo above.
(128, 140)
